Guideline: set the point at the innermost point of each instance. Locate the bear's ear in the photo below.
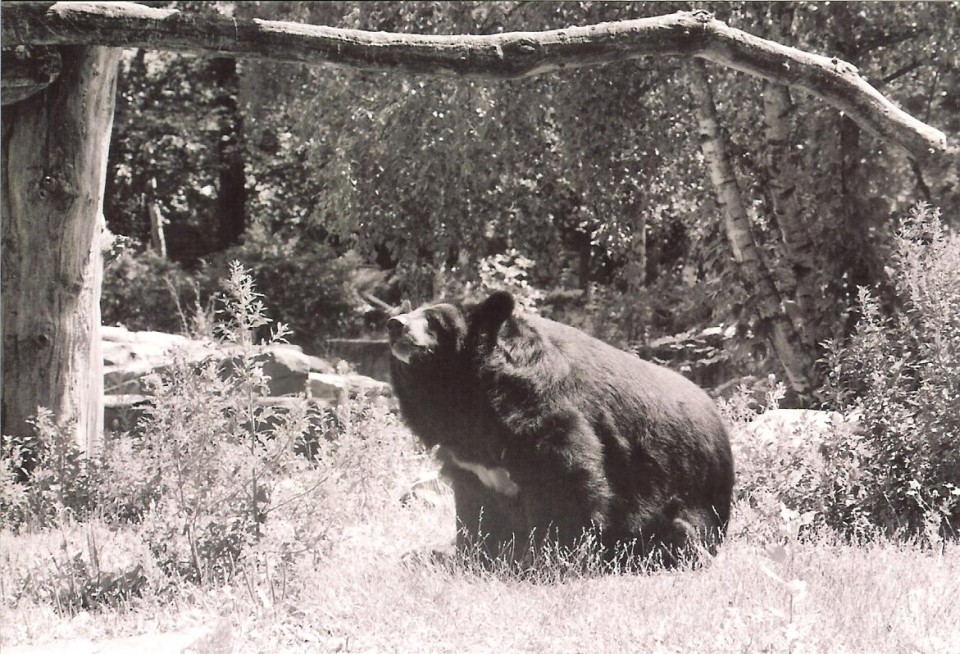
(492, 312)
(404, 307)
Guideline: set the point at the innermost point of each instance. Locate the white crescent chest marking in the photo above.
(496, 479)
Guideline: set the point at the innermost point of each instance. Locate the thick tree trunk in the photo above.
(54, 157)
(783, 335)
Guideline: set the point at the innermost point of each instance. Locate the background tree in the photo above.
(178, 148)
(593, 174)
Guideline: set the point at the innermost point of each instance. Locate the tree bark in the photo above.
(54, 157)
(231, 201)
(510, 55)
(784, 338)
(801, 255)
(158, 242)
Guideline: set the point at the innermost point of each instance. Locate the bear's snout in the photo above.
(395, 327)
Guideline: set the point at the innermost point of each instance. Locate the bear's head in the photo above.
(439, 332)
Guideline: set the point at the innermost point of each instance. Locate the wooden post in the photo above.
(54, 159)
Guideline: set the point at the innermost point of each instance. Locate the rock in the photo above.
(337, 388)
(121, 346)
(320, 365)
(321, 386)
(129, 356)
(288, 370)
(133, 360)
(122, 412)
(369, 357)
(126, 379)
(286, 367)
(812, 426)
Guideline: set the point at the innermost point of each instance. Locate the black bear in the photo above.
(547, 433)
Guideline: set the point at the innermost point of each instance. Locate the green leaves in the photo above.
(594, 173)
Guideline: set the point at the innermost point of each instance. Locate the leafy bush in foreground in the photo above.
(902, 374)
(888, 461)
(44, 476)
(801, 468)
(217, 480)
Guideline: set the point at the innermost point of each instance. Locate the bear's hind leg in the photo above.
(672, 536)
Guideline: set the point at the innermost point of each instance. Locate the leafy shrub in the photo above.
(44, 476)
(221, 477)
(127, 488)
(147, 292)
(902, 373)
(219, 480)
(210, 450)
(888, 463)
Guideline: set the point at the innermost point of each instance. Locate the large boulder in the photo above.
(130, 358)
(122, 347)
(133, 361)
(286, 367)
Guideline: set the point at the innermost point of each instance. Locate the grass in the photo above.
(376, 590)
(368, 582)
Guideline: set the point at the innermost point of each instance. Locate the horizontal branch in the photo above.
(497, 56)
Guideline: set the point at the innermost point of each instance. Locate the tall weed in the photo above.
(215, 450)
(45, 475)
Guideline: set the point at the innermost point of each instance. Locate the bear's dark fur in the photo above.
(546, 432)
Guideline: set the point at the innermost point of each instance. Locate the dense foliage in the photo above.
(889, 462)
(902, 374)
(595, 175)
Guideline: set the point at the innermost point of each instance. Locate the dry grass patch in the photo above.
(371, 594)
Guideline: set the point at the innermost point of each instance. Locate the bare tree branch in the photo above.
(895, 75)
(510, 55)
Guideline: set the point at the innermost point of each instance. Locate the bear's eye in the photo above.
(433, 323)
